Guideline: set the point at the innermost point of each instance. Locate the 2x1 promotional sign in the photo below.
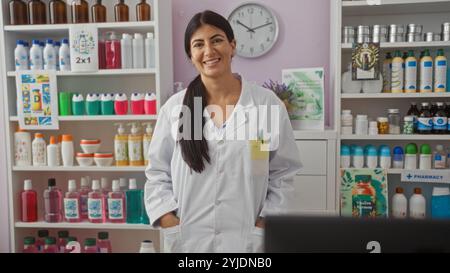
(84, 48)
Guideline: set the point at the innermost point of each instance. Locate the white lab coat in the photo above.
(218, 208)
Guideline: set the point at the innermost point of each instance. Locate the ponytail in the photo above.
(192, 150)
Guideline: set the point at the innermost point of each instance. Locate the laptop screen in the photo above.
(336, 234)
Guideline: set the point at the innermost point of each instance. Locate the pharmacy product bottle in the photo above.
(414, 112)
(361, 125)
(135, 146)
(372, 158)
(96, 204)
(373, 128)
(53, 203)
(134, 203)
(150, 104)
(425, 157)
(440, 72)
(57, 47)
(143, 11)
(345, 157)
(64, 56)
(84, 194)
(36, 57)
(397, 73)
(90, 245)
(121, 104)
(80, 12)
(138, 51)
(58, 12)
(50, 245)
(63, 236)
(113, 52)
(411, 73)
(37, 12)
(116, 204)
(358, 158)
(150, 59)
(399, 204)
(104, 183)
(39, 148)
(18, 14)
(147, 247)
(22, 148)
(440, 203)
(28, 202)
(385, 158)
(147, 140)
(426, 73)
(411, 156)
(398, 158)
(127, 51)
(122, 12)
(387, 73)
(52, 152)
(98, 12)
(73, 246)
(101, 52)
(417, 205)
(72, 203)
(123, 184)
(363, 197)
(439, 158)
(67, 150)
(425, 120)
(29, 245)
(103, 243)
(440, 119)
(137, 103)
(346, 122)
(121, 146)
(21, 56)
(40, 242)
(49, 56)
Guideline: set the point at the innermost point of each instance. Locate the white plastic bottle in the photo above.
(440, 72)
(346, 122)
(358, 158)
(397, 73)
(64, 56)
(36, 59)
(411, 73)
(439, 158)
(22, 148)
(67, 150)
(57, 46)
(361, 125)
(39, 148)
(417, 205)
(138, 51)
(52, 152)
(49, 56)
(426, 73)
(150, 51)
(127, 51)
(21, 56)
(399, 204)
(147, 247)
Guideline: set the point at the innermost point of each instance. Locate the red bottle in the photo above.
(63, 237)
(28, 202)
(29, 245)
(50, 245)
(103, 243)
(113, 52)
(42, 234)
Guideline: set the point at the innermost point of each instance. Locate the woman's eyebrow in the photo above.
(212, 37)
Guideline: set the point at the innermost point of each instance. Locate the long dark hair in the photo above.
(194, 151)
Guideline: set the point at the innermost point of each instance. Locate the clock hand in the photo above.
(253, 29)
(249, 29)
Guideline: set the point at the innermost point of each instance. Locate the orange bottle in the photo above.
(98, 12)
(122, 12)
(18, 14)
(37, 12)
(80, 12)
(58, 12)
(143, 11)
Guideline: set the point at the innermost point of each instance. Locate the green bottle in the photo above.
(134, 203)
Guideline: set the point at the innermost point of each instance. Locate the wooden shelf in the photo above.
(101, 118)
(395, 95)
(396, 137)
(105, 72)
(80, 169)
(84, 225)
(388, 7)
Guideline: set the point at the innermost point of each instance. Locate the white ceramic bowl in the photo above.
(85, 160)
(102, 160)
(90, 146)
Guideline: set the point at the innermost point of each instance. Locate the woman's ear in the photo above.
(233, 45)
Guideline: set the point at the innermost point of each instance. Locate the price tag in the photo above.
(84, 48)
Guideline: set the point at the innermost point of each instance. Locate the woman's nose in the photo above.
(209, 49)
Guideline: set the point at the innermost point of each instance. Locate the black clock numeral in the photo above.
(262, 47)
(241, 14)
(252, 50)
(250, 10)
(267, 20)
(271, 29)
(242, 47)
(261, 12)
(268, 39)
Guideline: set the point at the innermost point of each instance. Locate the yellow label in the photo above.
(259, 150)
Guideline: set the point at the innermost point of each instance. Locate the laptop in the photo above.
(297, 234)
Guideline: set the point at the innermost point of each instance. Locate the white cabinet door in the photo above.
(313, 155)
(310, 193)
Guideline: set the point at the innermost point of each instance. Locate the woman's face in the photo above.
(211, 52)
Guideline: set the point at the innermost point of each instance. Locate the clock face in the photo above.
(255, 29)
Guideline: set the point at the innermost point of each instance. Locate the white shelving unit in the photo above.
(125, 237)
(429, 13)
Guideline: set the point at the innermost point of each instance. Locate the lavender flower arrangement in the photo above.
(283, 92)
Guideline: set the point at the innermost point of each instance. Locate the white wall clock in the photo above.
(255, 28)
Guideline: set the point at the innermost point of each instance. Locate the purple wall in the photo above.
(304, 40)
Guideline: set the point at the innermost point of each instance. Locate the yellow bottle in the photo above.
(121, 146)
(397, 73)
(146, 141)
(426, 73)
(411, 73)
(440, 72)
(135, 146)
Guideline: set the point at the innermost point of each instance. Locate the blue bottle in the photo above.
(440, 203)
(398, 158)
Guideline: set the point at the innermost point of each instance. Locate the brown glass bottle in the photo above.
(143, 11)
(122, 11)
(37, 12)
(98, 12)
(80, 12)
(58, 12)
(18, 13)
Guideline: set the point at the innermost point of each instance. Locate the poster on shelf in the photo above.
(365, 61)
(37, 100)
(306, 105)
(83, 48)
(363, 193)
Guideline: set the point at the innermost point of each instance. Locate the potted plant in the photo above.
(284, 93)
